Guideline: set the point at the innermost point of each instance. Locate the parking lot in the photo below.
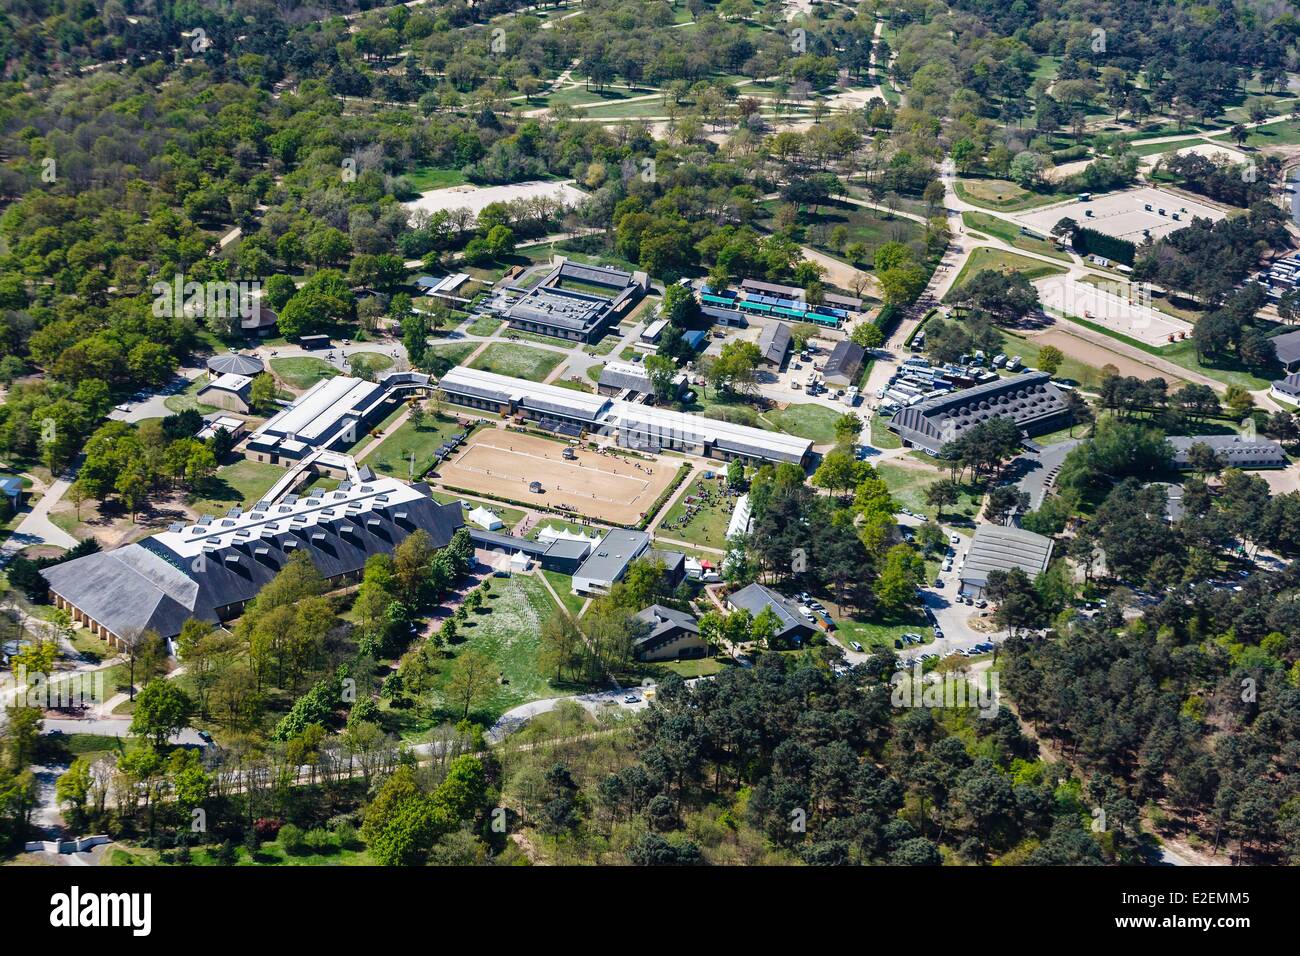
(1123, 214)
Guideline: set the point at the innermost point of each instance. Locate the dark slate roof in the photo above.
(236, 364)
(1025, 399)
(1287, 347)
(1289, 385)
(497, 541)
(998, 548)
(845, 360)
(774, 342)
(755, 597)
(663, 622)
(148, 585)
(1234, 450)
(674, 562)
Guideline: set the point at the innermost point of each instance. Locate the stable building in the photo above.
(1030, 400)
(332, 415)
(791, 627)
(773, 343)
(1287, 349)
(998, 548)
(229, 391)
(1235, 451)
(212, 568)
(844, 364)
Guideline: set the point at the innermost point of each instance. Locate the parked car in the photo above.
(856, 646)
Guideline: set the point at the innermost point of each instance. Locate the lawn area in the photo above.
(483, 325)
(881, 436)
(1010, 233)
(507, 630)
(812, 421)
(563, 585)
(510, 516)
(1154, 149)
(376, 361)
(424, 178)
(907, 487)
(1286, 133)
(445, 356)
(1086, 375)
(880, 635)
(871, 227)
(302, 371)
(518, 361)
(189, 398)
(242, 483)
(986, 257)
(1001, 194)
(393, 456)
(701, 514)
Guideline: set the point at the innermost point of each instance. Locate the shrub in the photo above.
(291, 839)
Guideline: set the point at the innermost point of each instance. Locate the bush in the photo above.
(266, 828)
(320, 841)
(346, 834)
(291, 839)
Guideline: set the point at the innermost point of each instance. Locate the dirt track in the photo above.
(603, 486)
(1092, 354)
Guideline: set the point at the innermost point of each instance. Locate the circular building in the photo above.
(232, 363)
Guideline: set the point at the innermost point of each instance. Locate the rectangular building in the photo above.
(998, 548)
(844, 364)
(774, 343)
(609, 560)
(575, 302)
(211, 569)
(332, 415)
(1030, 400)
(1235, 451)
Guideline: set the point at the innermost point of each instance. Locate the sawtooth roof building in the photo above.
(643, 427)
(1235, 451)
(1030, 400)
(998, 548)
(332, 415)
(573, 301)
(212, 568)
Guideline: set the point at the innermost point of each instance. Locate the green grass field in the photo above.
(1010, 233)
(375, 361)
(519, 361)
(708, 526)
(986, 257)
(563, 586)
(907, 487)
(424, 178)
(871, 227)
(447, 355)
(483, 325)
(506, 631)
(881, 436)
(811, 421)
(303, 371)
(1001, 194)
(393, 456)
(880, 635)
(184, 401)
(242, 483)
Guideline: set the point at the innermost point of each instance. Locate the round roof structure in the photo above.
(236, 364)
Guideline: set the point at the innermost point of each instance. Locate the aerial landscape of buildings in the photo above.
(773, 434)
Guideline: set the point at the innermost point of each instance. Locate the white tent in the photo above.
(549, 534)
(519, 561)
(485, 519)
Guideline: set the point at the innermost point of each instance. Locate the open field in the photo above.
(393, 457)
(986, 257)
(507, 629)
(1000, 228)
(475, 198)
(809, 420)
(606, 487)
(188, 399)
(1110, 306)
(870, 227)
(303, 371)
(517, 361)
(1095, 356)
(1001, 194)
(1123, 214)
(241, 483)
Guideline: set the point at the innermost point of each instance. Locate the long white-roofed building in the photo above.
(331, 415)
(637, 426)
